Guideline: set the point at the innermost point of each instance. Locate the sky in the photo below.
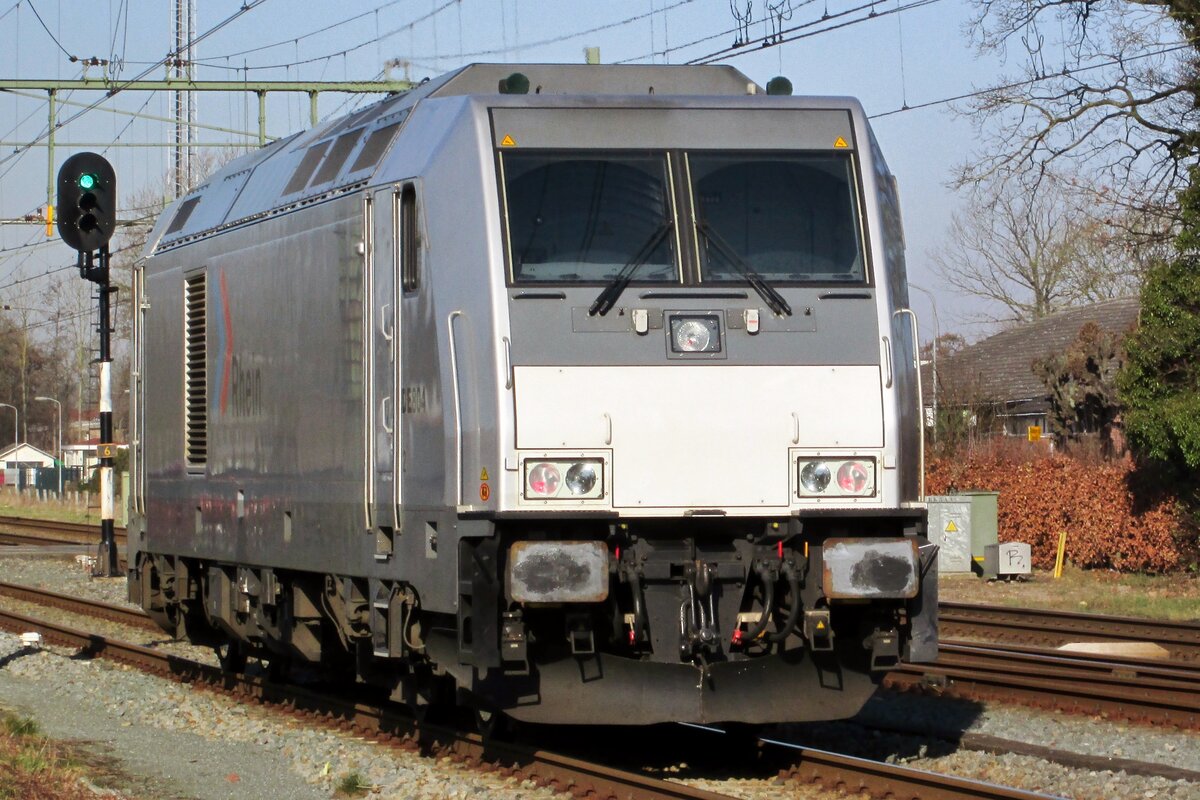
(891, 54)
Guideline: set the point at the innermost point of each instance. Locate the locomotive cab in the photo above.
(611, 403)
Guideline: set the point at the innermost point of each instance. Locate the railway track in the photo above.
(1138, 690)
(19, 530)
(563, 773)
(1054, 628)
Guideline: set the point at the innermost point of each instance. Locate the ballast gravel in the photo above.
(178, 741)
(189, 743)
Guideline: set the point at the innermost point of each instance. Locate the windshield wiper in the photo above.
(609, 294)
(772, 298)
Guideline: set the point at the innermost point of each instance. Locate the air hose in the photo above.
(759, 627)
(793, 617)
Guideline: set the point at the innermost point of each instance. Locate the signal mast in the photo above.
(86, 215)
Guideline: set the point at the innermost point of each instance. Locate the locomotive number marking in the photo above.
(485, 492)
(413, 400)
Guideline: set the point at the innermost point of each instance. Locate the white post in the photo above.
(937, 334)
(58, 444)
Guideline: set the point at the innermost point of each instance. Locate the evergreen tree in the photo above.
(1160, 386)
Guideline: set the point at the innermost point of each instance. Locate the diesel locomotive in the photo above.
(580, 394)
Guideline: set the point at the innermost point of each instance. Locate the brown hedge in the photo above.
(1108, 523)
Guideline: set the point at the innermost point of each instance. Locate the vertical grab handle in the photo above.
(508, 370)
(458, 438)
(384, 418)
(887, 357)
(385, 322)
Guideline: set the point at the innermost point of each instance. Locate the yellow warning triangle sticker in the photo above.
(483, 474)
(840, 142)
(509, 141)
(820, 626)
(951, 527)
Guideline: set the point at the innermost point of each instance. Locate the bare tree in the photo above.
(1031, 253)
(1014, 250)
(1103, 87)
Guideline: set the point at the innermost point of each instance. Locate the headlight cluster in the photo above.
(843, 478)
(564, 480)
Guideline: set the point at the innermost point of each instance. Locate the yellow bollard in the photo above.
(1062, 551)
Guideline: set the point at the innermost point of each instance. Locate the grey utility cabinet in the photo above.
(962, 526)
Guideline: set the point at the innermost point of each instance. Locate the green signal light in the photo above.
(87, 181)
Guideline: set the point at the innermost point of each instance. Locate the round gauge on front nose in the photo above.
(692, 336)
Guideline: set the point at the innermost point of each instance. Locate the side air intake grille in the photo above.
(195, 389)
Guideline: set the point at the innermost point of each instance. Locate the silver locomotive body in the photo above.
(596, 403)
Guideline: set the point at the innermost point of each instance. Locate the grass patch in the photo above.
(1163, 597)
(54, 511)
(20, 726)
(352, 784)
(35, 768)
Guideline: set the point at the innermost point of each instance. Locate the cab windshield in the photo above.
(582, 218)
(788, 218)
(590, 217)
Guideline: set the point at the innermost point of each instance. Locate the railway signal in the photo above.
(87, 201)
(86, 213)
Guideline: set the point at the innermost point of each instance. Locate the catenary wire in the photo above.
(282, 42)
(117, 88)
(48, 32)
(346, 51)
(764, 42)
(1064, 73)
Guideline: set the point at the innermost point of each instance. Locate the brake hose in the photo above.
(639, 612)
(793, 617)
(768, 605)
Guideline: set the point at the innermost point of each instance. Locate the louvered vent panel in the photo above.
(196, 377)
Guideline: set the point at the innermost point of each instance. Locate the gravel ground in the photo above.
(177, 741)
(871, 735)
(232, 750)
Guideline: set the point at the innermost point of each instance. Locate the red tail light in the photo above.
(853, 476)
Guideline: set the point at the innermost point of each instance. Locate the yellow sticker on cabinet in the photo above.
(840, 142)
(951, 527)
(483, 476)
(508, 141)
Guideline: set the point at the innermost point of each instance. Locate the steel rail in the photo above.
(1054, 628)
(1137, 690)
(133, 617)
(20, 530)
(880, 779)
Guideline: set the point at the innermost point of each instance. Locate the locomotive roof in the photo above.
(343, 154)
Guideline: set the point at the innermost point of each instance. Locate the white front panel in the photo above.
(699, 436)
